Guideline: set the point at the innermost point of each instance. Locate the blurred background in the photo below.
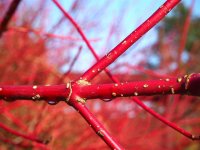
(40, 46)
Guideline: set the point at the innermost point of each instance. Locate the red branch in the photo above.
(162, 119)
(56, 92)
(186, 85)
(96, 125)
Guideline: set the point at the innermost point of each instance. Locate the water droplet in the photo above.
(52, 102)
(116, 84)
(93, 71)
(145, 85)
(122, 95)
(1, 89)
(159, 86)
(107, 100)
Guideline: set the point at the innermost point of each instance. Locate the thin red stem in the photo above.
(165, 121)
(15, 144)
(47, 35)
(186, 27)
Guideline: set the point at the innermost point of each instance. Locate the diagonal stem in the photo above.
(97, 126)
(130, 40)
(165, 121)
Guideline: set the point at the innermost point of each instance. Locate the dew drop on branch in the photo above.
(51, 102)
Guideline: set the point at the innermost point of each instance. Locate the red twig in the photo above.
(185, 32)
(15, 144)
(165, 121)
(47, 35)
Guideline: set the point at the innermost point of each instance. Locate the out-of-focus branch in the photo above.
(8, 15)
(28, 137)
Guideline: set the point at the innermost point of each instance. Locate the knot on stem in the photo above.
(69, 86)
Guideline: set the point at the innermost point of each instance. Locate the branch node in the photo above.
(69, 86)
(187, 80)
